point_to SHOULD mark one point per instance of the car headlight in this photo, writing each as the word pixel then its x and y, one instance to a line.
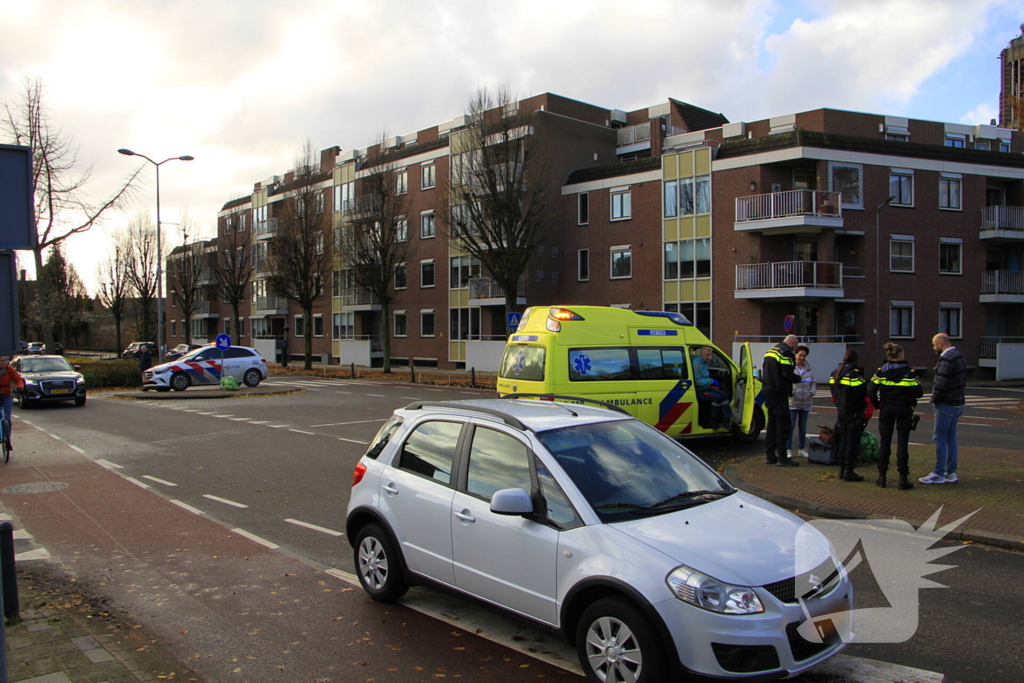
pixel 31 383
pixel 706 592
pixel 80 380
pixel 161 371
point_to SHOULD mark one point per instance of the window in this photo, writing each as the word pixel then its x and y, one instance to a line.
pixel 955 140
pixel 383 437
pixel 981 144
pixel 427 228
pixel 401 276
pixel 661 363
pixel 318 202
pixel 318 243
pixel 583 265
pixel 848 180
pixel 401 181
pixel 671 198
pixel 497 461
pixel 401 229
pixel 241 327
pixel 464 323
pixel 318 325
pixel 523 362
pixel 687 259
pixel 227 326
pixel 583 208
pixel 174 326
pixel 427 323
pixel 427 273
pixel 1004 146
pixel 950 321
pixel 703 187
pixel 540 276
pixel 901 254
pixel 901 319
pixel 400 324
pixel 344 195
pixel 950 256
pixel 430 450
pixel 949 191
pixel 428 176
pixel 600 365
pixel 344 325
pixel 621 262
pixel 686 203
pixel 901 187
pixel 671 260
pixel 621 204
pixel 300 326
pixel 462 270
pixel 698 313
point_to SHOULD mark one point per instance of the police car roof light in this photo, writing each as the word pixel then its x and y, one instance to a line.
pixel 677 318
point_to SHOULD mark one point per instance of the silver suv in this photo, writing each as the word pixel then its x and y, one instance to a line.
pixel 594 524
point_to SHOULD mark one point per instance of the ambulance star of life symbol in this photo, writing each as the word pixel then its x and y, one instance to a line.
pixel 520 363
pixel 582 363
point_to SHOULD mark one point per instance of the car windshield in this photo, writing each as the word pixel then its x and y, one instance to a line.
pixel 45 365
pixel 626 468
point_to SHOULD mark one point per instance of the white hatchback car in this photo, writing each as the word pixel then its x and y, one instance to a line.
pixel 592 523
pixel 207 365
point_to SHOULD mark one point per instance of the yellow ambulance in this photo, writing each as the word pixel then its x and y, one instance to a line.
pixel 641 361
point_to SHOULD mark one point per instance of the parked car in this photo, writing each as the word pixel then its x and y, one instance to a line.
pixel 596 524
pixel 135 348
pixel 180 350
pixel 206 365
pixel 49 378
pixel 35 348
pixel 58 348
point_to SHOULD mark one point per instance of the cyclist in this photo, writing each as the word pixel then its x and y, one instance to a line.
pixel 9 379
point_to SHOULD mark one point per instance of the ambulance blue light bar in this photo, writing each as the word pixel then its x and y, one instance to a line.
pixel 677 318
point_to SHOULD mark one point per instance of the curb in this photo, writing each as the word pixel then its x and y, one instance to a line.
pixel 202 394
pixel 992 538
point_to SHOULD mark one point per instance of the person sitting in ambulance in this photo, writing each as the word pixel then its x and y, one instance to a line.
pixel 710 390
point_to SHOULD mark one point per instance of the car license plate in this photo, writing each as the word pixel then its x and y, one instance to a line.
pixel 60 391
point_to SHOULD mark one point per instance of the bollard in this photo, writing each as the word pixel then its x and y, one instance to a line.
pixel 352 371
pixel 412 372
pixel 472 377
pixel 10 578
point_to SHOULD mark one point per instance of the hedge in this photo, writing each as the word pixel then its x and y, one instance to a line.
pixel 106 373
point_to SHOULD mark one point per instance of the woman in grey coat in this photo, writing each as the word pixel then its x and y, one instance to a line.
pixel 802 401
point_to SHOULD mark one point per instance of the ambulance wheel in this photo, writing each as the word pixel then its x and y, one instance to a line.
pixel 179 381
pixel 755 429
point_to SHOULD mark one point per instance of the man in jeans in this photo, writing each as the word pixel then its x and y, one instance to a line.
pixel 948 399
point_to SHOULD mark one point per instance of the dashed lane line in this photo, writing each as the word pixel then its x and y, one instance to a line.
pixel 254 537
pixel 314 527
pixel 239 419
pixel 376 395
pixel 299 431
pixel 109 465
pixel 138 483
pixel 159 481
pixel 76 449
pixel 353 422
pixel 258 422
pixel 223 416
pixel 365 443
pixel 276 426
pixel 186 506
pixel 225 501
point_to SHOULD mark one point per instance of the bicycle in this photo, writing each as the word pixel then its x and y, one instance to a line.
pixel 5 430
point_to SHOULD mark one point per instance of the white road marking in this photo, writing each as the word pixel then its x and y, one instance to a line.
pixel 21 535
pixel 343 392
pixel 471 393
pixel 365 443
pixel 299 431
pixel 223 416
pixel 258 422
pixel 239 419
pixel 159 481
pixel 276 426
pixel 213 413
pixel 137 482
pixel 76 448
pixel 225 501
pixel 186 506
pixel 36 554
pixel 54 436
pixel 437 390
pixel 376 395
pixel 344 576
pixel 314 527
pixel 109 465
pixel 410 398
pixel 21 419
pixel 254 537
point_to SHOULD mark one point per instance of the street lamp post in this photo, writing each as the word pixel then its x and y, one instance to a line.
pixel 159 250
pixel 878 268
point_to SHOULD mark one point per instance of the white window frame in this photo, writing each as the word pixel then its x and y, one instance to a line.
pixel 612 252
pixel 902 305
pixel 226 321
pixel 583 206
pixel 425 218
pixel 424 262
pixel 670 209
pixel 907 173
pixel 428 176
pixel 854 201
pixel 320 317
pixel 298 326
pixel 956 140
pixel 430 312
pixel 946 306
pixel 174 328
pixel 952 179
pixel 241 327
pixel 620 201
pixel 405 265
pixel 952 241
pixel 401 181
pixel 902 239
pixel 582 257
pixel 401 229
pixel 405 324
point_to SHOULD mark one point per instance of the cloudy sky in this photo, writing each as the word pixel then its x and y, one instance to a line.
pixel 241 85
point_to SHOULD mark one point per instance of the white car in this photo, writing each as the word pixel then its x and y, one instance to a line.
pixel 595 524
pixel 207 365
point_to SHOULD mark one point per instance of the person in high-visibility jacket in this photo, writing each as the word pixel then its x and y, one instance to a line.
pixel 849 391
pixel 895 389
pixel 778 375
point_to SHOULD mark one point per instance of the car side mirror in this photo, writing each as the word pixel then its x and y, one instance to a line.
pixel 77 367
pixel 512 502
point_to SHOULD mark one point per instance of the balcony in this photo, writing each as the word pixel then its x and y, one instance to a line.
pixel 206 309
pixel 484 291
pixel 358 299
pixel 788 212
pixel 271 305
pixel 1000 224
pixel 1002 287
pixel 1005 354
pixel 206 277
pixel 266 229
pixel 790 280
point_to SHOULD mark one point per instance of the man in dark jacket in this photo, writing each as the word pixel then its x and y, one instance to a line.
pixel 849 391
pixel 778 375
pixel 895 389
pixel 948 399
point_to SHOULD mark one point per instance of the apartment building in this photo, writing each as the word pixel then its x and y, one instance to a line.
pixel 845 227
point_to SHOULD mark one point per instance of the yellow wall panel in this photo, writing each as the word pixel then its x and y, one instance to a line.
pixel 702 161
pixel 685 164
pixel 671 291
pixel 703 227
pixel 686 290
pixel 453 296
pixel 670 166
pixel 671 229
pixel 703 290
pixel 686 228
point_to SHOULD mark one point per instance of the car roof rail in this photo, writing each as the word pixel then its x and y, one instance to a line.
pixel 504 417
pixel 572 399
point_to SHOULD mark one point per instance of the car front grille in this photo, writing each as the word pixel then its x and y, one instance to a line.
pixel 62 386
pixel 786 590
pixel 147 375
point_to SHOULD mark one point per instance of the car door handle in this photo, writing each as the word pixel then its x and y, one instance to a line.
pixel 465 516
pixel 390 488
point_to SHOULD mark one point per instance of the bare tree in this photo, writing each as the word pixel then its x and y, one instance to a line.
pixel 61 207
pixel 233 268
pixel 115 288
pixel 374 240
pixel 497 190
pixel 138 243
pixel 61 308
pixel 299 253
pixel 187 269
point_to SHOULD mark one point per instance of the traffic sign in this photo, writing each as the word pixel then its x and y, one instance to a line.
pixel 787 324
pixel 223 342
pixel 513 320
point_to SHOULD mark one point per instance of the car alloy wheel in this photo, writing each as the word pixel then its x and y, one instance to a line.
pixel 378 565
pixel 180 381
pixel 252 378
pixel 616 644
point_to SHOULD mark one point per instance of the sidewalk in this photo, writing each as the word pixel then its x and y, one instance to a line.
pixel 991 482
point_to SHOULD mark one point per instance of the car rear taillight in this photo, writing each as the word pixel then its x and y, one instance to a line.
pixel 357 474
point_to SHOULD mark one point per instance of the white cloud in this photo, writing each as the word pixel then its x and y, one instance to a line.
pixel 984 113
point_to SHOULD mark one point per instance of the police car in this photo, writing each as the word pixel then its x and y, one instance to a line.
pixel 207 365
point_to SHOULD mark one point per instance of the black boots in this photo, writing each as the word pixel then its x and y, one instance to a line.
pixel 904 485
pixel 846 473
pixel 880 482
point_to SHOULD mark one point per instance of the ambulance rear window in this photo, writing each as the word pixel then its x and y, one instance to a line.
pixel 524 363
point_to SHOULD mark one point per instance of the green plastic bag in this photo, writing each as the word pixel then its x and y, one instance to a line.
pixel 229 383
pixel 868 447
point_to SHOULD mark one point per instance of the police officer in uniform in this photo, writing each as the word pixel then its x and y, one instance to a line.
pixel 778 375
pixel 849 391
pixel 895 389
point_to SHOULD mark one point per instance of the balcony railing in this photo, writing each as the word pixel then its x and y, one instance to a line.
pixel 1003 218
pixel 267 227
pixel 205 307
pixel 207 277
pixel 487 288
pixel 990 344
pixel 789 204
pixel 1002 282
pixel 271 303
pixel 356 296
pixel 790 274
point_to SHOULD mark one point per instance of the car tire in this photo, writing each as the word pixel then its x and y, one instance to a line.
pixel 23 402
pixel 80 400
pixel 252 378
pixel 378 564
pixel 755 429
pixel 613 637
pixel 180 381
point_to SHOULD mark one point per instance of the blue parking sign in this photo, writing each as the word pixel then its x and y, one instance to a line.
pixel 223 342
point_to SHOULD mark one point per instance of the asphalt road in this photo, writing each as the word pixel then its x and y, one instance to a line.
pixel 279 467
